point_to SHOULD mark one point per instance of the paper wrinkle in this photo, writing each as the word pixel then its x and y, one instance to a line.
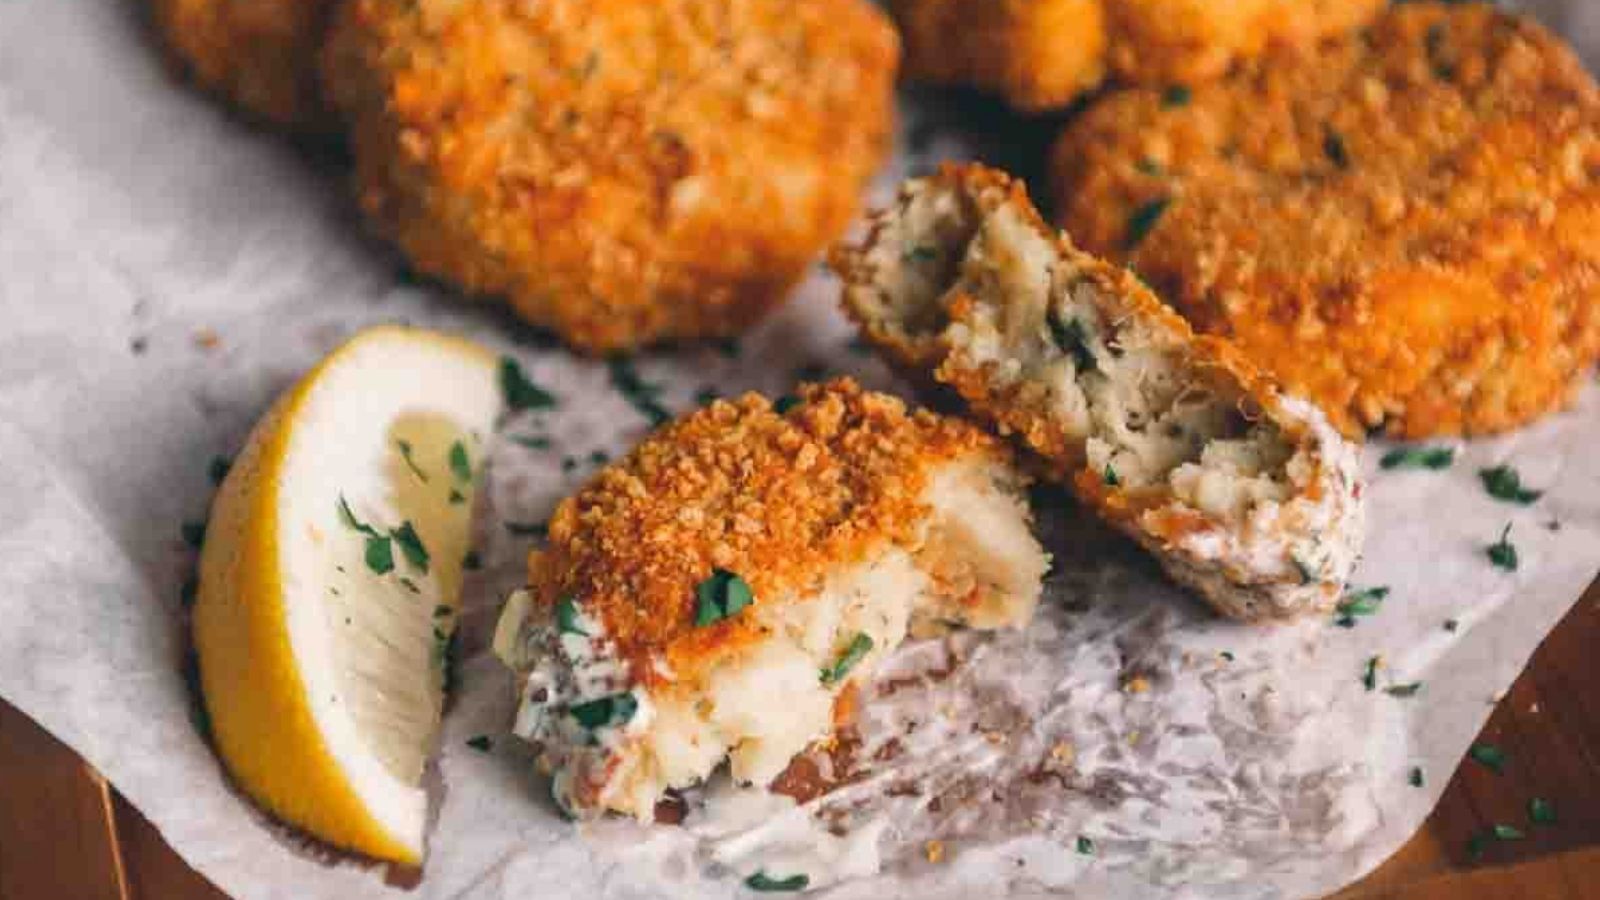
pixel 130 208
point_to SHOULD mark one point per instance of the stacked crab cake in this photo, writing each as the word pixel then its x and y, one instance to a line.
pixel 717 593
pixel 1247 496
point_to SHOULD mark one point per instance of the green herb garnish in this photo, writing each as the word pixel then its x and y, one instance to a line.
pixel 1176 95
pixel 616 709
pixel 1502 553
pixel 783 404
pixel 1111 478
pixel 1369 674
pixel 528 529
pixel 719 597
pixel 860 646
pixel 457 498
pixel 1307 575
pixel 532 442
pixel 765 883
pixel 1364 602
pixel 482 743
pixel 405 454
pixel 380 555
pixel 411 545
pixel 518 391
pixel 1073 339
pixel 350 520
pixel 1333 145
pixel 460 463
pixel 920 254
pixel 1149 167
pixel 1503 483
pixel 1403 690
pixel 642 395
pixel 1143 220
pixel 1489 756
pixel 1415 778
pixel 567 617
pixel 1541 812
pixel 1085 845
pixel 1418 458
pixel 1508 833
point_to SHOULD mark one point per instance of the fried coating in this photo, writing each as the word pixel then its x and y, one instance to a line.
pixel 622 171
pixel 1042 54
pixel 260 55
pixel 1249 498
pixel 840 521
pixel 1401 227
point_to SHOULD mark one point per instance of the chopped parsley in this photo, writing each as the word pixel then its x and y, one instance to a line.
pixel 405 453
pixel 783 404
pixel 616 709
pixel 599 457
pixel 349 519
pixel 1364 602
pixel 765 883
pixel 1435 458
pixel 380 555
pixel 1085 845
pixel 1333 145
pixel 1541 811
pixel 532 442
pixel 411 546
pixel 1073 339
pixel 642 395
pixel 567 617
pixel 706 396
pixel 920 253
pixel 1307 575
pixel 859 647
pixel 1489 756
pixel 1508 833
pixel 720 596
pixel 481 743
pixel 219 469
pixel 1369 673
pixel 460 462
pixel 1503 483
pixel 518 391
pixel 1176 95
pixel 1143 220
pixel 1111 478
pixel 1149 167
pixel 456 497
pixel 1503 553
pixel 528 529
pixel 1415 778
pixel 1403 690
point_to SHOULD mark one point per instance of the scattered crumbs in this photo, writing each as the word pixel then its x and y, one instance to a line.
pixel 1489 756
pixel 1138 684
pixel 1502 553
pixel 1177 95
pixel 1541 811
pixel 481 743
pixel 1085 845
pixel 527 529
pixel 520 393
pixel 1415 778
pixel 207 339
pixel 995 737
pixel 1504 483
pixel 218 470
pixel 1369 674
pixel 934 851
pixel 1452 625
pixel 1434 458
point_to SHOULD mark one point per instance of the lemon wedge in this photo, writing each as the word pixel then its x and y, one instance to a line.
pixel 329 583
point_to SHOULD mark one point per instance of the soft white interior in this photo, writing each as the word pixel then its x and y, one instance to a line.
pixel 978 565
pixel 365 644
pixel 1123 390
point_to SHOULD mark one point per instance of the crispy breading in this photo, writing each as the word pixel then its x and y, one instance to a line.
pixel 1401 226
pixel 1248 497
pixel 623 171
pixel 1042 54
pixel 260 55
pixel 780 499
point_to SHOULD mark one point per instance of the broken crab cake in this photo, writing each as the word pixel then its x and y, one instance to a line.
pixel 718 593
pixel 1248 497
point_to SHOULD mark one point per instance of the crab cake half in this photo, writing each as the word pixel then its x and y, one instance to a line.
pixel 622 171
pixel 260 55
pixel 1248 497
pixel 1041 54
pixel 1402 227
pixel 718 593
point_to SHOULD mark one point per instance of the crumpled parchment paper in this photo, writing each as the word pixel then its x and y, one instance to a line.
pixel 165 271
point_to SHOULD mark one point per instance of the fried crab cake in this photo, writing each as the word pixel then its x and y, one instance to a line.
pixel 1041 54
pixel 718 593
pixel 1401 227
pixel 1248 497
pixel 260 55
pixel 623 171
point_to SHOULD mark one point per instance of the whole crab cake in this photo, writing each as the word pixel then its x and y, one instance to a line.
pixel 718 593
pixel 1042 54
pixel 623 171
pixel 1248 497
pixel 1401 227
pixel 260 55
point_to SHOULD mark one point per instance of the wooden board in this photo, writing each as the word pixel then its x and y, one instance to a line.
pixel 64 834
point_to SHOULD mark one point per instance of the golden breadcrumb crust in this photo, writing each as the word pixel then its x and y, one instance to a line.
pixel 623 171
pixel 782 500
pixel 1401 226
pixel 260 55
pixel 1041 54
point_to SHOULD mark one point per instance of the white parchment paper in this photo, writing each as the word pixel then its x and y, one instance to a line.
pixel 165 271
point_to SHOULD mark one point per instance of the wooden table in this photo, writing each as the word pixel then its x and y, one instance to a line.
pixel 66 834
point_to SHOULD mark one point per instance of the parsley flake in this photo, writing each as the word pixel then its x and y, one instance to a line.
pixel 460 463
pixel 1085 845
pixel 1177 95
pixel 642 395
pixel 859 647
pixel 1364 602
pixel 456 497
pixel 783 404
pixel 920 254
pixel 1073 339
pixel 481 743
pixel 1434 458
pixel 1111 478
pixel 720 596
pixel 567 617
pixel 532 442
pixel 1503 483
pixel 380 555
pixel 1403 690
pixel 1489 756
pixel 1334 146
pixel 1369 674
pixel 518 391
pixel 411 546
pixel 350 520
pixel 405 453
pixel 1415 778
pixel 1143 220
pixel 616 709
pixel 765 883
pixel 1541 811
pixel 1508 833
pixel 1503 553
pixel 528 529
